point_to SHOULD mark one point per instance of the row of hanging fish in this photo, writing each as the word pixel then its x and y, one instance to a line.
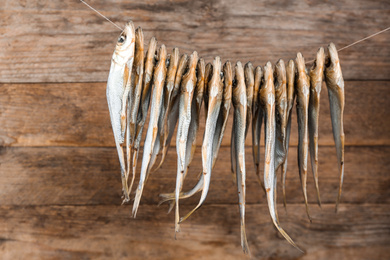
pixel 173 88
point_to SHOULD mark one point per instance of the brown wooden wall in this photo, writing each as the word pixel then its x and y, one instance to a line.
pixel 59 173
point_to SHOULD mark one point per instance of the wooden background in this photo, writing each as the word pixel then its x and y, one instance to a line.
pixel 59 173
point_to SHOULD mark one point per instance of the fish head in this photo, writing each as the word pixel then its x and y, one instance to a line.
pixel 239 90
pixel 332 57
pixel 280 73
pixel 124 50
pixel 228 81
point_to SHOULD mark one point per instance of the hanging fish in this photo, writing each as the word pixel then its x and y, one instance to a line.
pixel 168 99
pixel 280 78
pixel 185 109
pixel 335 84
pixel 214 104
pixel 117 89
pixel 173 109
pixel 134 99
pixel 151 135
pixel 316 77
pixel 303 95
pixel 239 119
pixel 218 135
pixel 290 73
pixel 256 123
pixel 267 101
pixel 150 62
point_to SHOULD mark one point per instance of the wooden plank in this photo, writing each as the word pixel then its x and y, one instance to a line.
pixel 101 232
pixel 76 114
pixel 91 176
pixel 73 44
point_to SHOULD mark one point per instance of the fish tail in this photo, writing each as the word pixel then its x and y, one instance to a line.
pixel 341 176
pixel 284 174
pixel 244 241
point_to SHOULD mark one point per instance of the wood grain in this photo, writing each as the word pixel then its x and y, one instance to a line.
pixel 64 41
pixel 91 176
pixel 108 232
pixel 76 114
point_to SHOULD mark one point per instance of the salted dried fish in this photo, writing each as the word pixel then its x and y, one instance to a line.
pixel 280 79
pixel 134 99
pixel 150 62
pixel 316 77
pixel 151 135
pixel 173 109
pixel 249 83
pixel 173 61
pixel 290 73
pixel 185 103
pixel 335 84
pixel 239 119
pixel 267 100
pixel 120 74
pixel 303 95
pixel 214 104
pixel 219 131
pixel 256 123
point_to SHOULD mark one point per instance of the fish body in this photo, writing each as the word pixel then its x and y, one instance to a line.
pixel 302 105
pixel 119 75
pixel 173 108
pixel 151 135
pixel 267 100
pixel 214 104
pixel 150 62
pixel 240 116
pixel 168 100
pixel 280 79
pixel 256 123
pixel 335 84
pixel 290 73
pixel 316 77
pixel 134 99
pixel 185 108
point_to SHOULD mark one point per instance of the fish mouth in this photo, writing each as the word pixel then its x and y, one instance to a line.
pixel 300 63
pixel 320 59
pixel 332 57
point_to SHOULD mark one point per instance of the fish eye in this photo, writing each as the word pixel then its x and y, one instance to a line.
pixel 121 39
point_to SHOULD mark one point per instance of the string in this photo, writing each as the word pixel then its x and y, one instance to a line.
pixel 93 9
pixel 343 48
pixel 359 41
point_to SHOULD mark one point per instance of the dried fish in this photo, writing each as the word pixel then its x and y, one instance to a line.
pixel 173 109
pixel 239 119
pixel 150 62
pixel 280 79
pixel 151 135
pixel 290 72
pixel 303 95
pixel 219 131
pixel 335 84
pixel 186 95
pixel 249 83
pixel 117 89
pixel 214 104
pixel 267 100
pixel 256 123
pixel 316 77
pixel 168 100
pixel 134 99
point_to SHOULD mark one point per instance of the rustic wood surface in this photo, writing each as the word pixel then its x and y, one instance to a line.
pixel 60 188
